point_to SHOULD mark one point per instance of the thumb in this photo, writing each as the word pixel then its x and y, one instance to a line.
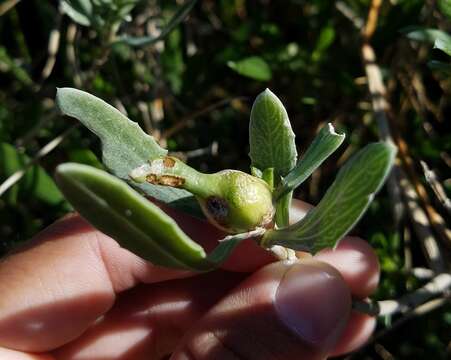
pixel 283 311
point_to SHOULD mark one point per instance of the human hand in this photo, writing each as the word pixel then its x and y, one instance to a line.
pixel 73 293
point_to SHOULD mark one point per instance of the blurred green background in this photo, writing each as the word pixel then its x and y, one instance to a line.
pixel 188 73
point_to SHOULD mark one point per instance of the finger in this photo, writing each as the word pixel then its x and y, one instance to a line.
pixel 148 321
pixel 208 237
pixel 61 282
pixel 283 311
pixel 359 266
pixel 357 263
pixel 357 332
pixel 353 257
pixel 7 354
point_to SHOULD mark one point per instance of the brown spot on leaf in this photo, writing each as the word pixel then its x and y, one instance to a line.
pixel 168 162
pixel 166 180
pixel 171 180
pixel 152 178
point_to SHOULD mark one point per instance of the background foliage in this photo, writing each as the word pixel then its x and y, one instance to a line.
pixel 190 81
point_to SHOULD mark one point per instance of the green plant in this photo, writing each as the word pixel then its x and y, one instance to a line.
pixel 244 205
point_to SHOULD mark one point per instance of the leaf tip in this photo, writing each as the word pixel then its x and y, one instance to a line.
pixel 62 95
pixel 231 64
pixel 332 131
pixel 67 169
pixel 390 148
pixel 267 93
pixel 268 97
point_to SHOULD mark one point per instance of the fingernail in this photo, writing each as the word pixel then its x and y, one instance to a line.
pixel 314 302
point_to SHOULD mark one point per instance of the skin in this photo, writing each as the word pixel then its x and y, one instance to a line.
pixel 73 293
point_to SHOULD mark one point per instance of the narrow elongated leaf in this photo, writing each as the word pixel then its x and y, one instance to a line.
pixel 445 7
pixel 35 184
pixel 124 145
pixel 253 67
pixel 423 34
pixel 80 11
pixel 439 65
pixel 7 64
pixel 324 144
pixel 444 45
pixel 325 40
pixel 283 206
pixel 271 138
pixel 272 145
pixel 178 17
pixel 135 223
pixel 342 205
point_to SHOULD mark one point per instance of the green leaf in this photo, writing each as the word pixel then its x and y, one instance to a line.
pixel 271 138
pixel 445 7
pixel 35 184
pixel 444 45
pixel 178 17
pixel 134 222
pixel 124 145
pixel 324 144
pixel 80 11
pixel 283 206
pixel 272 145
pixel 268 176
pixel 325 39
pixel 84 156
pixel 439 65
pixel 253 67
pixel 342 205
pixel 7 64
pixel 425 34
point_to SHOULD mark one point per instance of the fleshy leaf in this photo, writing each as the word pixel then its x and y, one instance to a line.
pixel 445 7
pixel 439 65
pixel 35 183
pixel 342 205
pixel 423 34
pixel 444 45
pixel 324 144
pixel 135 223
pixel 272 144
pixel 253 67
pixel 283 206
pixel 178 17
pixel 80 11
pixel 271 138
pixel 124 145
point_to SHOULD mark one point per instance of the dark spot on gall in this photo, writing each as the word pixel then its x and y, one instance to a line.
pixel 217 208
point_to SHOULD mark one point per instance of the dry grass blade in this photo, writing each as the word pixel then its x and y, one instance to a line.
pixel 422 226
pixel 436 186
pixel 52 48
pixel 7 5
pixel 420 310
pixel 398 182
pixel 371 22
pixel 438 286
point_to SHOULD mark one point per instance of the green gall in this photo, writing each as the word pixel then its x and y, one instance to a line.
pixel 240 203
pixel 231 200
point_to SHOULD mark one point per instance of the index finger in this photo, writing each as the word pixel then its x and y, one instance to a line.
pixel 62 281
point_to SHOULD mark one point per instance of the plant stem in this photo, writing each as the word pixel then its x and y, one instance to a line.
pixel 170 171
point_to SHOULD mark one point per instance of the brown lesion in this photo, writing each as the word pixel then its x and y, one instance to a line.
pixel 168 162
pixel 166 180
